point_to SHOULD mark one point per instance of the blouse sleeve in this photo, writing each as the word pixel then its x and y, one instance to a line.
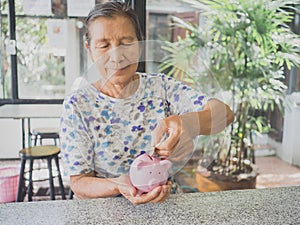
pixel 182 98
pixel 76 143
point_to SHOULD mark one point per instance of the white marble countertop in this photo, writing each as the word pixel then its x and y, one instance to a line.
pixel 257 206
pixel 19 111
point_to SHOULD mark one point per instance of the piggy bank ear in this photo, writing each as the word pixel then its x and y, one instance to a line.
pixel 139 165
pixel 165 163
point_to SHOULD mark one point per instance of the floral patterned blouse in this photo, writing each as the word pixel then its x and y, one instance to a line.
pixel 104 134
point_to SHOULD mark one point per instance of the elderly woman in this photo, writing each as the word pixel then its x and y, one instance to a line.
pixel 107 124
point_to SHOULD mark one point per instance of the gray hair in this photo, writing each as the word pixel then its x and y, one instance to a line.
pixel 111 9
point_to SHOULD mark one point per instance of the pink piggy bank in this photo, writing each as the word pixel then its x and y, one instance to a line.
pixel 148 172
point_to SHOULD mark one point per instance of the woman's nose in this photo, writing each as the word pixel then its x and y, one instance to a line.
pixel 117 55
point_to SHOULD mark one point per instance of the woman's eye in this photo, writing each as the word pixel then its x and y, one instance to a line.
pixel 101 46
pixel 128 44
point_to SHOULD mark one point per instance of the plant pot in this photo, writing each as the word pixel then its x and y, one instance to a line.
pixel 208 182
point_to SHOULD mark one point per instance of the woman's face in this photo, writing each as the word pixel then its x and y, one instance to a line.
pixel 114 48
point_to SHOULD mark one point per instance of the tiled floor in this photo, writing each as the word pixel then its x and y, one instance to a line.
pixel 276 173
pixel 273 172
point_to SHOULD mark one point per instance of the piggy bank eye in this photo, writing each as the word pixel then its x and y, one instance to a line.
pixel 158 172
pixel 150 172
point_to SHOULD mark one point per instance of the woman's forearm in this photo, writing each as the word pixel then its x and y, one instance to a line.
pixel 89 186
pixel 214 117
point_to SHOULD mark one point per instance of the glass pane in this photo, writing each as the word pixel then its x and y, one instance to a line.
pixel 5 78
pixel 160 29
pixel 41 68
pixel 49 47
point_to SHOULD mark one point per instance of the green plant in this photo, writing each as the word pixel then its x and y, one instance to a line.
pixel 244 46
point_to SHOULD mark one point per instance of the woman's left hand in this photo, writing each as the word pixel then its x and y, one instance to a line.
pixel 171 128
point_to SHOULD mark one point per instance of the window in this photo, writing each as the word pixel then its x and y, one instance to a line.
pixel 47 52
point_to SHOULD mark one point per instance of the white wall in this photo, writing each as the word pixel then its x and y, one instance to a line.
pixel 10 138
pixel 290 150
pixel 11 135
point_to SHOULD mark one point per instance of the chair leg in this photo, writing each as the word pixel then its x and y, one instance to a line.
pixel 30 184
pixel 61 185
pixel 35 140
pixel 21 185
pixel 52 195
pixel 55 142
pixel 71 193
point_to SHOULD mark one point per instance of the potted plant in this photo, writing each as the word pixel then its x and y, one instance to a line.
pixel 243 48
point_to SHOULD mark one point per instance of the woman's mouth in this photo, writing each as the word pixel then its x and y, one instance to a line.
pixel 118 70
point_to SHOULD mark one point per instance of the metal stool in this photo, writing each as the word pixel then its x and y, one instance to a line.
pixel 45 133
pixel 47 152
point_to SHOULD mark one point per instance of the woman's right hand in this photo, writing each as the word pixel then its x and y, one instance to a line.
pixel 158 194
pixel 124 186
